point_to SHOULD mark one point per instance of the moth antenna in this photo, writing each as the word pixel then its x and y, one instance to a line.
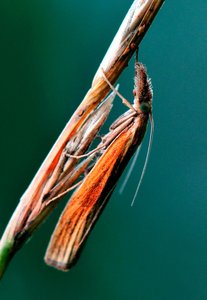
pixel 146 159
pixel 130 170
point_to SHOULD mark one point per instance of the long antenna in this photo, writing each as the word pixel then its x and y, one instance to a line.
pixel 130 170
pixel 146 159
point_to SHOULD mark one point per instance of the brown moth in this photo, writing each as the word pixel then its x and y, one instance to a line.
pixel 88 201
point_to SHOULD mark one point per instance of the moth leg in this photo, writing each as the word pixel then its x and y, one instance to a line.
pixel 87 154
pixel 124 100
pixel 64 193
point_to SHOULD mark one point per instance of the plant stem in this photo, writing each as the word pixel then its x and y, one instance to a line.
pixel 126 41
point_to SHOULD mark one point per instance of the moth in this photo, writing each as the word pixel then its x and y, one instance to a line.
pixel 88 201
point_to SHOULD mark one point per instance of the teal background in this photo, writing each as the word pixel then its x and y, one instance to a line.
pixel 156 250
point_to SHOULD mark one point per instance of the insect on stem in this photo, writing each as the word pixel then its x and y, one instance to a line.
pixel 88 201
pixel 60 171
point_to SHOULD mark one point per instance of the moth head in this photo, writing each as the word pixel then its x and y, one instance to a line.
pixel 143 90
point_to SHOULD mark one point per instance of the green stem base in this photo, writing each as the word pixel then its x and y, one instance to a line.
pixel 5 256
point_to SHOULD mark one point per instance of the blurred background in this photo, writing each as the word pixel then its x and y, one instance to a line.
pixel 156 250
